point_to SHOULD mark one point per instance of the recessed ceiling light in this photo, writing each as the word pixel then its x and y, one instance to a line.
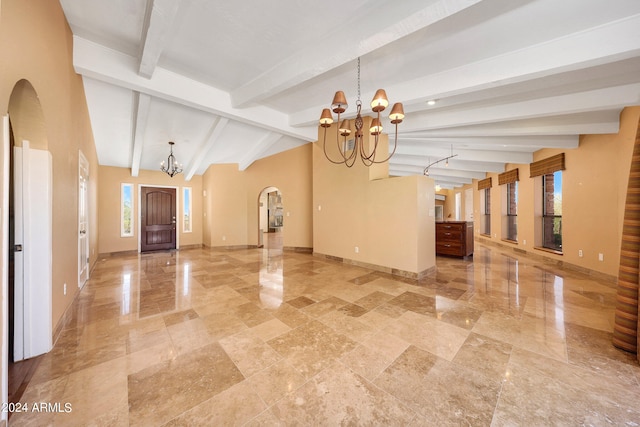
pixel 431 102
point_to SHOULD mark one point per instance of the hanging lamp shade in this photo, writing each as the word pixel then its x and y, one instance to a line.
pixel 325 118
pixel 397 113
pixel 376 127
pixel 339 104
pixel 344 128
pixel 379 101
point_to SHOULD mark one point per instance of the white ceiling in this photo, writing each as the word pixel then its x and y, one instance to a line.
pixel 232 82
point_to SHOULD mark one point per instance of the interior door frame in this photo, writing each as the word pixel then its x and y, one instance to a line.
pixel 178 213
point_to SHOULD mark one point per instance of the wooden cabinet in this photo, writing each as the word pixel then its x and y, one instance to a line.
pixel 454 238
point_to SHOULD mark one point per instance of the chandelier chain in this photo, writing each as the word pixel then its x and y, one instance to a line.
pixel 359 79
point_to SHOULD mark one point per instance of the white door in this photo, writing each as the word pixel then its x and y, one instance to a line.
pixel 32 261
pixel 468 204
pixel 5 150
pixel 83 221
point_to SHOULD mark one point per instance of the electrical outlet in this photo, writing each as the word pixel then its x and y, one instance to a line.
pixel 580 253
pixel 357 249
pixel 64 288
pixel 224 238
pixel 600 257
pixel 524 242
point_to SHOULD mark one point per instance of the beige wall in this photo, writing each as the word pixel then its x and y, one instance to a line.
pixel 231 204
pixel 110 184
pixel 36 45
pixel 225 206
pixel 390 220
pixel 593 191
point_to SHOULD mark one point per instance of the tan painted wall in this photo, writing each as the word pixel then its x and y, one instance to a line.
pixel 390 220
pixel 225 206
pixel 290 172
pixel 110 184
pixel 36 45
pixel 231 204
pixel 593 191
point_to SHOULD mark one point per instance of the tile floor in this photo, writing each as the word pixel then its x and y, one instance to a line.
pixel 258 337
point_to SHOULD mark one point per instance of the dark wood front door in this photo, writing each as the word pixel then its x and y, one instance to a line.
pixel 158 219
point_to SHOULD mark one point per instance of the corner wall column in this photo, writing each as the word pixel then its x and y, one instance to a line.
pixel 625 329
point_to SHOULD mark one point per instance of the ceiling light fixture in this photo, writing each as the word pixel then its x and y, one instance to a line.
pixel 347 151
pixel 444 159
pixel 172 167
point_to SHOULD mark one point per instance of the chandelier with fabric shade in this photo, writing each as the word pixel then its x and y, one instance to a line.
pixel 349 153
pixel 171 167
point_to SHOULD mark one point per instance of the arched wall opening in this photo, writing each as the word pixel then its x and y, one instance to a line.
pixel 29 249
pixel 270 218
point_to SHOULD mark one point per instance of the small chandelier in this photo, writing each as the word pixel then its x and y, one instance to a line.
pixel 347 152
pixel 172 167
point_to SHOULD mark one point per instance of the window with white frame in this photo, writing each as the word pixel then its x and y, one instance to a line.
pixel 187 217
pixel 126 210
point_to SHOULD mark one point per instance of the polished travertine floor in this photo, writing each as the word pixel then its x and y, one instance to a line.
pixel 258 337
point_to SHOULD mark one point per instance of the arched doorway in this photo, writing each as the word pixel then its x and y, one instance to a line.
pixel 29 205
pixel 270 238
pixel 270 219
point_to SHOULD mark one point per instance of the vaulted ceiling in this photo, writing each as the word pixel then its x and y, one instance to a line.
pixel 235 81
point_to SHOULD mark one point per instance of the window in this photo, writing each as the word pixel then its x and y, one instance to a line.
pixel 548 201
pixel 511 218
pixel 485 201
pixel 484 186
pixel 552 211
pixel 186 210
pixel 508 182
pixel 126 210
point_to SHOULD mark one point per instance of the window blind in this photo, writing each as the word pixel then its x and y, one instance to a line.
pixel 509 177
pixel 547 166
pixel 484 183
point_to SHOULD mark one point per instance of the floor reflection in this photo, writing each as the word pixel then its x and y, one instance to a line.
pixel 271 280
pixel 262 336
